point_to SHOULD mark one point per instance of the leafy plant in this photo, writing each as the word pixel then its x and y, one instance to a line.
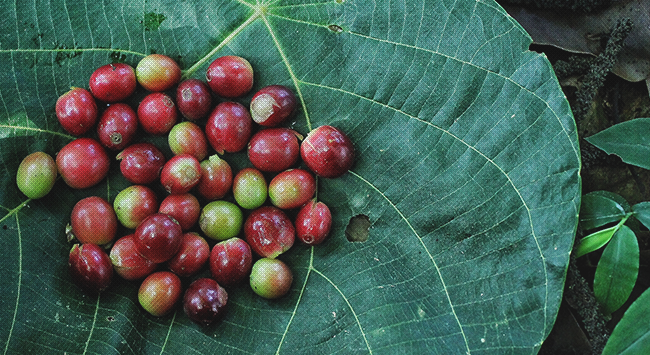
pixel 467 178
pixel 618 266
pixel 631 335
pixel 629 140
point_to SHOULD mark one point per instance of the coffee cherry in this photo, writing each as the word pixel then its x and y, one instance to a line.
pixel 313 222
pixel 159 293
pixel 76 111
pixel 133 204
pixel 90 267
pixel 157 72
pixel 82 163
pixel 113 82
pixel 272 105
pixel 271 278
pixel 328 152
pixel 36 175
pixel 158 238
pixel 205 301
pixel 93 221
pixel 269 231
pixel 141 163
pixel 230 76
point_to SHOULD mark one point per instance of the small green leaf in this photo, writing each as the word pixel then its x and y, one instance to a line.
pixel 632 336
pixel 642 213
pixel 601 207
pixel 595 241
pixel 617 270
pixel 629 140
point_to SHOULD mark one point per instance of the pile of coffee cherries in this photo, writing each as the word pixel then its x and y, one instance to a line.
pixel 233 223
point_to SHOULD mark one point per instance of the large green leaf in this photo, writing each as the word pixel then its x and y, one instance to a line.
pixel 467 171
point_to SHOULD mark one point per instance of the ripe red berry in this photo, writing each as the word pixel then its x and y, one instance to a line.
pixel 274 149
pixel 216 178
pixel 90 267
pixel 180 174
pixel 82 163
pixel 158 238
pixel 205 301
pixel 113 82
pixel 191 257
pixel 229 127
pixel 230 76
pixel 230 261
pixel 313 222
pixel 76 110
pixel 193 98
pixel 141 163
pixel 157 113
pixel 117 126
pixel 328 152
pixel 127 262
pixel 269 231
pixel 184 208
pixel 93 221
pixel 272 105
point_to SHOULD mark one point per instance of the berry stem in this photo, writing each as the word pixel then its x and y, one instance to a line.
pixel 188 73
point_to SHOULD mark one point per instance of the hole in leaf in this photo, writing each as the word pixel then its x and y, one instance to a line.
pixel 152 21
pixel 110 318
pixel 358 228
pixel 4 227
pixel 335 28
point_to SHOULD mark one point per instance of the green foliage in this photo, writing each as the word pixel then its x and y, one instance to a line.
pixel 599 208
pixel 617 270
pixel 631 336
pixel 630 140
pixel 618 266
pixel 467 172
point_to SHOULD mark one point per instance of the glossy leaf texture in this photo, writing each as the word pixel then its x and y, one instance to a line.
pixel 467 170
pixel 641 212
pixel 599 208
pixel 617 270
pixel 629 140
pixel 631 335
pixel 595 240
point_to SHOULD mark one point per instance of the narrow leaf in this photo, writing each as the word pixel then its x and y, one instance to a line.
pixel 617 270
pixel 602 207
pixel 642 213
pixel 629 140
pixel 631 336
pixel 595 241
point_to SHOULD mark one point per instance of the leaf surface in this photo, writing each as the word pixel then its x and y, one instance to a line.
pixel 467 171
pixel 617 270
pixel 629 140
pixel 630 336
pixel 598 208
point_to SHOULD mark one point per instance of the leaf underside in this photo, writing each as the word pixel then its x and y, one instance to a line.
pixel 467 169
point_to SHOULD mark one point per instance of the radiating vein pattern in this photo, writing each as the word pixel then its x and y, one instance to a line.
pixel 467 168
